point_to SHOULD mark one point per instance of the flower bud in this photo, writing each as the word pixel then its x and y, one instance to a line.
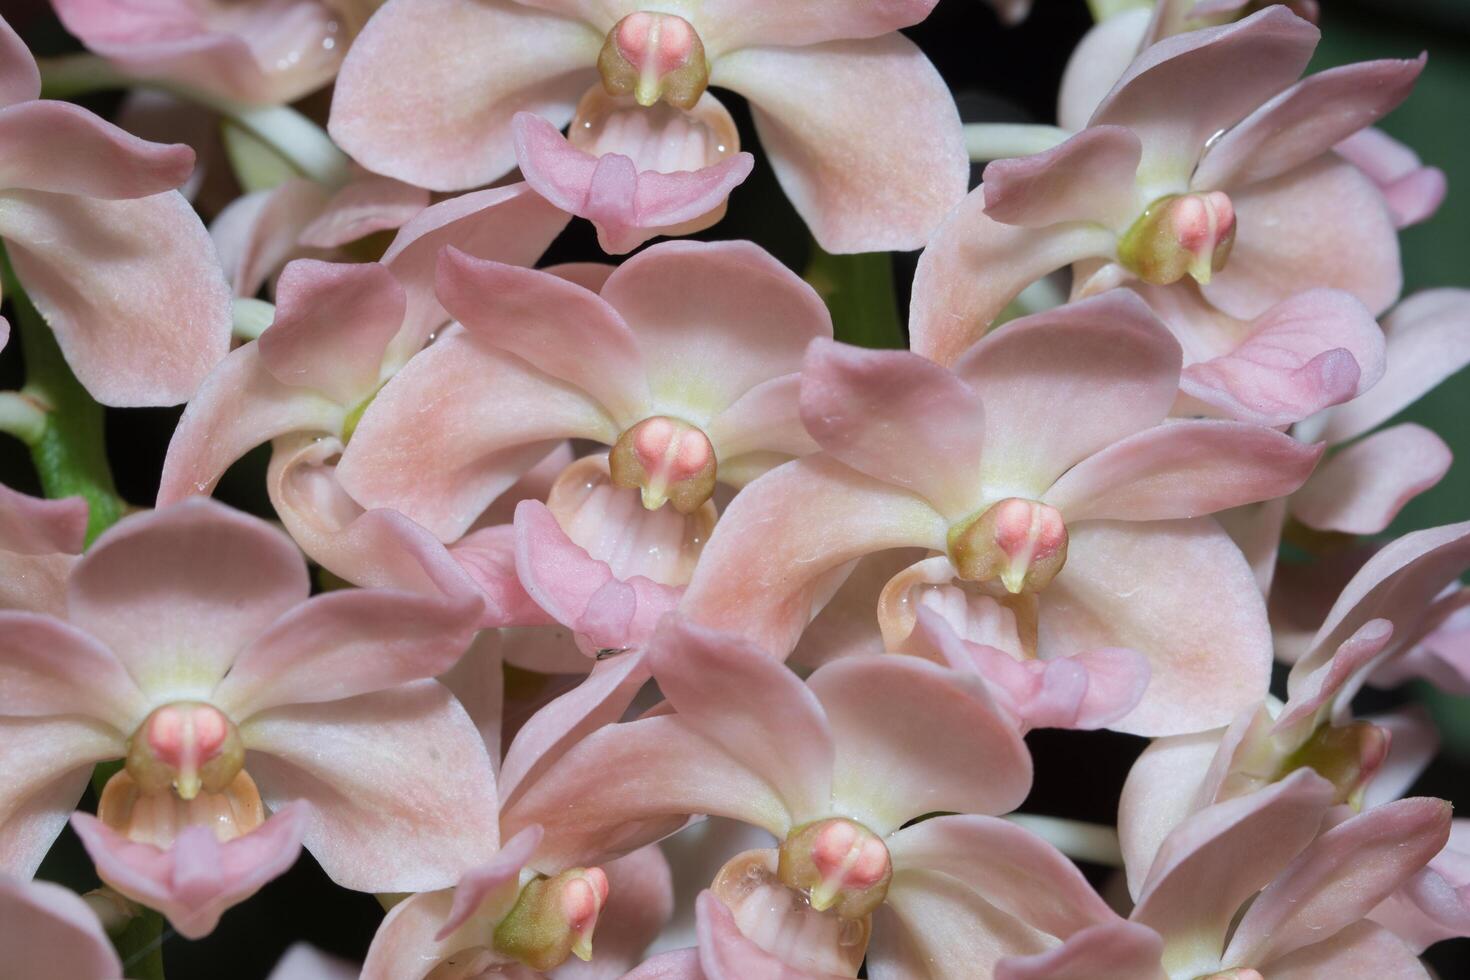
pixel 553 919
pixel 654 56
pixel 838 864
pixel 1180 235
pixel 668 460
pixel 1021 542
pixel 188 746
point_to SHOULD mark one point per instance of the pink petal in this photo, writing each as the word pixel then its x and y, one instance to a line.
pixel 557 327
pixel 1209 651
pixel 48 930
pixel 132 289
pixel 333 323
pixel 1340 878
pixel 478 883
pixel 1320 224
pixel 197 878
pixel 1306 121
pixel 1414 192
pixel 1017 871
pixel 1218 858
pixel 48 764
pixel 726 954
pixel 511 224
pixel 913 737
pixel 1180 92
pixel 1428 340
pixel 839 120
pixel 176 593
pixel 1162 790
pixel 1413 744
pixel 1310 691
pixel 476 64
pixel 257 233
pixel 580 591
pixel 726 25
pixel 455 428
pixel 736 318
pixel 20 80
pixel 1111 951
pixel 239 406
pixel 370 766
pixel 64 149
pixel 628 205
pixel 974 266
pixel 752 706
pixel 1361 489
pixel 1183 469
pixel 1090 177
pixel 1362 951
pixel 1061 385
pixel 1096 64
pixel 848 625
pixel 489 558
pixel 899 418
pixel 50 668
pixel 366 205
pixel 404 947
pixel 551 732
pixel 37 526
pixel 784 560
pixel 764 427
pixel 951 928
pixel 477 682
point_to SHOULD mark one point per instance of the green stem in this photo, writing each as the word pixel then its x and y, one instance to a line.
pixel 858 290
pixel 69 453
pixel 1001 141
pixel 139 945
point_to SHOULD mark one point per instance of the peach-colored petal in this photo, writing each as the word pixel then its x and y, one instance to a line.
pixel 761 430
pixel 863 135
pixel 444 122
pixel 1362 951
pixel 952 928
pixel 62 148
pixel 367 204
pixel 1361 489
pixel 1111 951
pixel 1160 792
pixel 1090 177
pixel 48 763
pixel 20 80
pixel 257 233
pixel 48 930
pixel 50 668
pixel 1096 64
pixel 37 526
pixel 1414 192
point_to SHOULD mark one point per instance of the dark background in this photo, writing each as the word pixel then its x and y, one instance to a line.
pixel 997 74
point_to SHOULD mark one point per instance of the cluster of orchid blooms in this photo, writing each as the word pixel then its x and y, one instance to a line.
pixel 789 603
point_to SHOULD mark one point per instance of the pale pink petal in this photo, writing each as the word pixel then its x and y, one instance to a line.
pixel 177 593
pixel 581 592
pixel 1183 469
pixel 839 121
pixel 1061 385
pixel 974 266
pixel 557 327
pixel 37 526
pixel 302 961
pixel 1209 650
pixel 488 556
pixel 1309 691
pixel 49 668
pixel 132 289
pixel 48 930
pixel 197 878
pixel 640 902
pixel 1090 177
pixel 1218 858
pixel 1435 903
pixel 1096 64
pixel 1174 95
pixel 477 884
pixel 257 233
pixel 1362 951
pixel 20 80
pixel 729 24
pixel 752 706
pixel 367 204
pixel 767 567
pixel 64 149
pixel 239 406
pixel 1160 792
pixel 714 320
pixel 48 763
pixel 1414 192
pixel 368 767
pixel 913 737
pixel 456 427
pixel 1361 489
pixel 725 953
pixel 588 275
pixel 404 947
pixel 511 224
pixel 628 205
pixel 1014 869
pixel 899 418
pixel 332 325
pixel 1340 878
pixel 34 583
pixel 848 626
pixel 1413 744
pixel 1306 121
pixel 760 430
pixel 1320 224
pixel 1428 339
pixel 952 928
pixel 1111 951
pixel 444 122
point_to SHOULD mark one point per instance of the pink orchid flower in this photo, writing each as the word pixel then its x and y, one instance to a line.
pixel 258 51
pixel 39 543
pixel 844 104
pixel 684 362
pixel 1211 187
pixel 48 931
pixel 834 769
pixel 191 651
pixel 340 332
pixel 116 261
pixel 1306 894
pixel 1043 471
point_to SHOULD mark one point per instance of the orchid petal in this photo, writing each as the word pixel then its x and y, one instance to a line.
pixel 62 148
pixel 1161 791
pixel 765 420
pixel 366 205
pixel 1362 951
pixel 1110 951
pixel 38 526
pixel 20 79
pixel 49 668
pixel 1087 178
pixel 1361 489
pixel 48 763
pixel 46 929
pixel 1096 64
pixel 1414 192
pixel 479 883
pixel 257 233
